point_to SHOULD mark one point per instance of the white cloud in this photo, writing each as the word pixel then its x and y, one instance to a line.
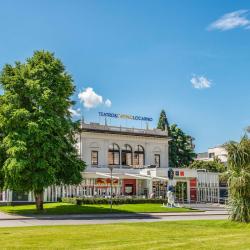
pixel 200 82
pixel 91 99
pixel 231 20
pixel 75 112
pixel 108 103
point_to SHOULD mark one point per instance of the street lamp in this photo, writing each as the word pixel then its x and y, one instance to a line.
pixel 111 167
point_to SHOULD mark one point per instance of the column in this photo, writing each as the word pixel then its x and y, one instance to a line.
pixel 45 194
pixel 188 191
pixel 9 195
pixel 149 187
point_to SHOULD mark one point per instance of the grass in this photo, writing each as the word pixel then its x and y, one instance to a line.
pixel 158 235
pixel 66 208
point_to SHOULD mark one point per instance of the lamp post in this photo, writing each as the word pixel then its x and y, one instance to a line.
pixel 111 167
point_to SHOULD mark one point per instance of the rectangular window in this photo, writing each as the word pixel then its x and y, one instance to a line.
pixel 211 155
pixel 94 157
pixel 157 160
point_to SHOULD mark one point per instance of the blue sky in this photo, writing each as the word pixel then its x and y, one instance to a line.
pixel 142 56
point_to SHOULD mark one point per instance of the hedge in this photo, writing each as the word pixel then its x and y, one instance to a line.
pixel 117 201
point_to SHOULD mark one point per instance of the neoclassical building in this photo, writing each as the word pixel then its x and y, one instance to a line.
pixel 129 152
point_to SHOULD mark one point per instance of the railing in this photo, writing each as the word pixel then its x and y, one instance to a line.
pixel 97 126
pixel 124 166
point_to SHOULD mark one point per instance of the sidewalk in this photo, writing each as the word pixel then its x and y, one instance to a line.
pixel 4 216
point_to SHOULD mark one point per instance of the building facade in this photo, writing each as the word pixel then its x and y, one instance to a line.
pixel 128 152
pixel 212 153
pixel 134 161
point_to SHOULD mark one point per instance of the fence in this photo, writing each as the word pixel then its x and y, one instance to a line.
pixel 201 195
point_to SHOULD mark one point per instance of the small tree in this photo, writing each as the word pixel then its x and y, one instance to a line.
pixel 239 179
pixel 37 133
pixel 212 166
pixel 163 121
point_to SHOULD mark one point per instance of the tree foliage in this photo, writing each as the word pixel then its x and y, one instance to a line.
pixel 213 166
pixel 37 133
pixel 239 179
pixel 181 151
pixel 163 122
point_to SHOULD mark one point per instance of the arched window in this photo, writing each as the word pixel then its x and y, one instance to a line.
pixel 139 156
pixel 127 155
pixel 114 154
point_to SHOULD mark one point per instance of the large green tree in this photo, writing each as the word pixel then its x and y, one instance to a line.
pixel 181 150
pixel 37 133
pixel 239 179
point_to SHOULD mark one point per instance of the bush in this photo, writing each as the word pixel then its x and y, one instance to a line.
pixel 69 200
pixel 116 201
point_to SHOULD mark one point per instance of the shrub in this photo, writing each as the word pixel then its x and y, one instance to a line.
pixel 115 201
pixel 69 200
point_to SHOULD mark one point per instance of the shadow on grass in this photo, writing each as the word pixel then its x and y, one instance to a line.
pixel 73 209
pixel 75 212
pixel 65 211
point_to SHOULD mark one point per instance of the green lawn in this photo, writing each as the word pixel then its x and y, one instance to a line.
pixel 158 235
pixel 66 208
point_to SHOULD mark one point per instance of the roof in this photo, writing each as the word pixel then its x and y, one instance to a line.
pixel 98 128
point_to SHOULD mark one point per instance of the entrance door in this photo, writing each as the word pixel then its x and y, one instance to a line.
pixel 129 187
pixel 159 188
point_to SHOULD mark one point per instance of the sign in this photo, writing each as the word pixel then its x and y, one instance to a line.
pixel 127 117
pixel 193 182
pixel 179 173
pixel 106 182
pixel 193 191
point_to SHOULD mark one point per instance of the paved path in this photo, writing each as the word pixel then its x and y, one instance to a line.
pixel 14 221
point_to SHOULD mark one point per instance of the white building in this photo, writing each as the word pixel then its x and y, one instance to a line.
pixel 215 152
pixel 138 159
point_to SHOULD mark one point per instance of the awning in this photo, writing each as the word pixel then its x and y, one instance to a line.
pixel 155 177
pixel 107 175
pixel 123 176
pixel 139 176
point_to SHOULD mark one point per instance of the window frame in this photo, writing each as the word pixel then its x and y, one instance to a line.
pixel 97 157
pixel 115 149
pixel 127 150
pixel 159 164
pixel 137 153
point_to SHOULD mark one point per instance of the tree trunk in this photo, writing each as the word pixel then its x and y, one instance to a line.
pixel 39 200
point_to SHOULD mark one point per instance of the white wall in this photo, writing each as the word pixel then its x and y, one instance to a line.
pixel 219 152
pixel 101 141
